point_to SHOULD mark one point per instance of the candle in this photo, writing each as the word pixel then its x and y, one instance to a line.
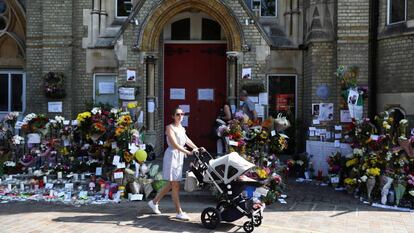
pixel 59 175
pixel 21 186
pixel 75 176
pixel 51 193
pixel 82 176
pixel 9 187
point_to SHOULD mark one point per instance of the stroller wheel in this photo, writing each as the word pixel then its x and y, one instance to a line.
pixel 248 227
pixel 210 218
pixel 257 219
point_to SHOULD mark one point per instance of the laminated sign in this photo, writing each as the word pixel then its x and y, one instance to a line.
pixel 127 93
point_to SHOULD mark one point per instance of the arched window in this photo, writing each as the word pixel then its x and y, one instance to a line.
pixel 211 30
pixel 180 30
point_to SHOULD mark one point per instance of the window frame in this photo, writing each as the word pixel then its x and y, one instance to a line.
pixel 116 10
pixel 389 12
pixel 260 10
pixel 116 85
pixel 9 94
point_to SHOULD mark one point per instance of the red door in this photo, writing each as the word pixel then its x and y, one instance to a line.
pixel 195 76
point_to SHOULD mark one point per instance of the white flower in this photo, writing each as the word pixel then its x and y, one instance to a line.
pixel 9 164
pixel 364 178
pixel 358 152
pixel 17 140
pixel 28 118
pixel 114 111
pixel 96 110
pixel 403 121
pixel 389 156
pixel 59 119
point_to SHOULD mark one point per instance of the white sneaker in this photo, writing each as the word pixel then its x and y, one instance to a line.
pixel 154 207
pixel 182 216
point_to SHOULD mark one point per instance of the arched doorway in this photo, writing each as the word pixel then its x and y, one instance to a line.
pixel 195 73
pixel 148 43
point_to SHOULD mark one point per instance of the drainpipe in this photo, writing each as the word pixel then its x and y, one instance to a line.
pixel 372 58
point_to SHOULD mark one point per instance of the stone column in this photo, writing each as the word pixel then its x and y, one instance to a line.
pixel 150 62
pixel 232 64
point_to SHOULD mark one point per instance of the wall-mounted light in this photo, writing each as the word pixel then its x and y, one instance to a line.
pixel 248 21
pixel 135 21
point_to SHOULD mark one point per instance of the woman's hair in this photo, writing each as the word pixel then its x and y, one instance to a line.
pixel 174 111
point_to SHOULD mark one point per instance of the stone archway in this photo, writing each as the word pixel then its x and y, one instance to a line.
pixel 149 37
pixel 150 32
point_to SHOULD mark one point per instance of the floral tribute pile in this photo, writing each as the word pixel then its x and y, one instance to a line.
pixel 381 167
pixel 102 151
pixel 261 144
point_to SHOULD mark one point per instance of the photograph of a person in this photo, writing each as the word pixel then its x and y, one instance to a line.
pixel 315 110
pixel 247 73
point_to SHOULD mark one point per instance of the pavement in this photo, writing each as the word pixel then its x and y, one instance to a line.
pixel 309 208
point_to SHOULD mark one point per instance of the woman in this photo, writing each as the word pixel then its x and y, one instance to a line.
pixel 173 163
pixel 224 116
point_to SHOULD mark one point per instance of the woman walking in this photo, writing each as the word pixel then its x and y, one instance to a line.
pixel 173 163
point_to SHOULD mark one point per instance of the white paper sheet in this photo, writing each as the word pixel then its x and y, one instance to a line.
pixel 177 94
pixel 118 175
pixel 263 98
pixel 247 73
pixel 54 106
pixel 338 136
pixel 106 88
pixel 259 109
pixel 116 160
pixel 98 171
pixel 151 106
pixel 127 93
pixel 185 108
pixel 206 94
pixel 337 144
pixel 131 75
pixel 338 127
pixel 326 112
pixel 345 116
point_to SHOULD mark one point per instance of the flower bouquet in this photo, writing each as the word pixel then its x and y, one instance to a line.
pixel 33 123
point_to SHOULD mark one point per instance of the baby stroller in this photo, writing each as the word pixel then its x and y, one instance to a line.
pixel 234 202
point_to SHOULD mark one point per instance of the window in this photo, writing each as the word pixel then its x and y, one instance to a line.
pixel 12 91
pixel 123 8
pixel 210 30
pixel 106 90
pixel 180 30
pixel 266 8
pixel 397 11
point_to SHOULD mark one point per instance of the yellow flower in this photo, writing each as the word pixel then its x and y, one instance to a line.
pixel 351 162
pixel 261 173
pixel 82 116
pixel 131 105
pixel 350 181
pixel 374 171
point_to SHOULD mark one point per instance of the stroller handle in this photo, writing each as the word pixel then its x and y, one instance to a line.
pixel 201 152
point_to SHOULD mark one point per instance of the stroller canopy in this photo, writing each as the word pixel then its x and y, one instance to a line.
pixel 230 166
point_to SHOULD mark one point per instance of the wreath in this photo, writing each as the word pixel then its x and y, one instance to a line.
pixel 54 85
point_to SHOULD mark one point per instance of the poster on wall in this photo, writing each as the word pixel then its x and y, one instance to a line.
pixel 326 112
pixel 247 73
pixel 263 98
pixel 284 101
pixel 127 93
pixel 355 110
pixel 177 94
pixel 206 94
pixel 131 75
pixel 54 106
pixel 106 88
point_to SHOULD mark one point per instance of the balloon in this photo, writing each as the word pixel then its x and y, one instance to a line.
pixel 140 155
